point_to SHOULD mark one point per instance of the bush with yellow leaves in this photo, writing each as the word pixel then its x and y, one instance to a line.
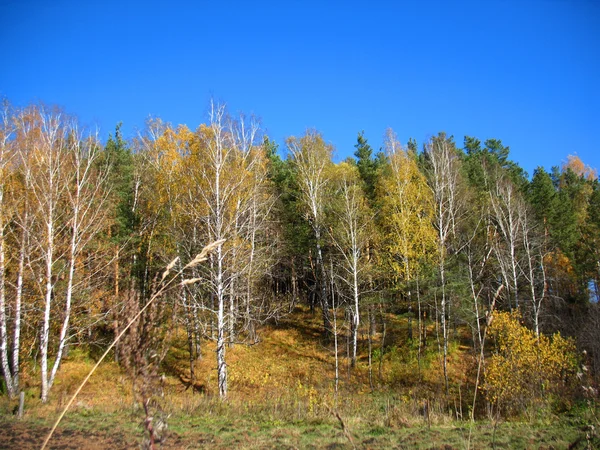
pixel 525 371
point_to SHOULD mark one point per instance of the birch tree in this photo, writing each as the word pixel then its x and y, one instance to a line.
pixel 535 266
pixel 87 193
pixel 312 159
pixel 444 182
pixel 350 235
pixel 478 251
pixel 506 207
pixel 7 153
pixel 67 192
pixel 210 184
pixel 262 240
pixel 48 186
pixel 223 162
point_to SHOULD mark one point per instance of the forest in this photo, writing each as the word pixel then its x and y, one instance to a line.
pixel 260 293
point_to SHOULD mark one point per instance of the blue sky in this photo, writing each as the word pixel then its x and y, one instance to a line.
pixel 525 72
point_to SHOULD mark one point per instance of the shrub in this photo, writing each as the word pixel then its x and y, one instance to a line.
pixel 525 370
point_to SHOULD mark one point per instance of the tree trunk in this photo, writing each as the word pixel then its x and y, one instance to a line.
pixel 12 390
pixel 382 347
pixel 69 295
pixel 47 305
pixel 323 284
pixel 371 331
pixel 356 316
pixel 18 303
pixel 231 318
pixel 335 334
pixel 444 327
pixel 221 364
pixel 420 323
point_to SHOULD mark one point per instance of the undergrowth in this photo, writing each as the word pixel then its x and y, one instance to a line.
pixel 282 395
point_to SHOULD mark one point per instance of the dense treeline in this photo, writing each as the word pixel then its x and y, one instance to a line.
pixel 445 235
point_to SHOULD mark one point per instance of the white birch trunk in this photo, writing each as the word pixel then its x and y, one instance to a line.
pixel 18 302
pixel 220 288
pixel 350 237
pixel 444 325
pixel 6 130
pixel 45 334
pixel 221 364
pixel 3 316
pixel 532 275
pixel 356 317
pixel 224 171
pixel 250 269
pixel 62 340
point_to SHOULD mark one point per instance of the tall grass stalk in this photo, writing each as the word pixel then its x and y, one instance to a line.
pixel 201 257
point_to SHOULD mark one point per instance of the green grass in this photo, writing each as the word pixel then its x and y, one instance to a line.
pixel 230 430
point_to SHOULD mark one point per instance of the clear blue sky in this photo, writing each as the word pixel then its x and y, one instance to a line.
pixel 526 72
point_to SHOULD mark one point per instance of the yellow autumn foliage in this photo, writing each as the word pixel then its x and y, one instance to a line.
pixel 407 210
pixel 525 370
